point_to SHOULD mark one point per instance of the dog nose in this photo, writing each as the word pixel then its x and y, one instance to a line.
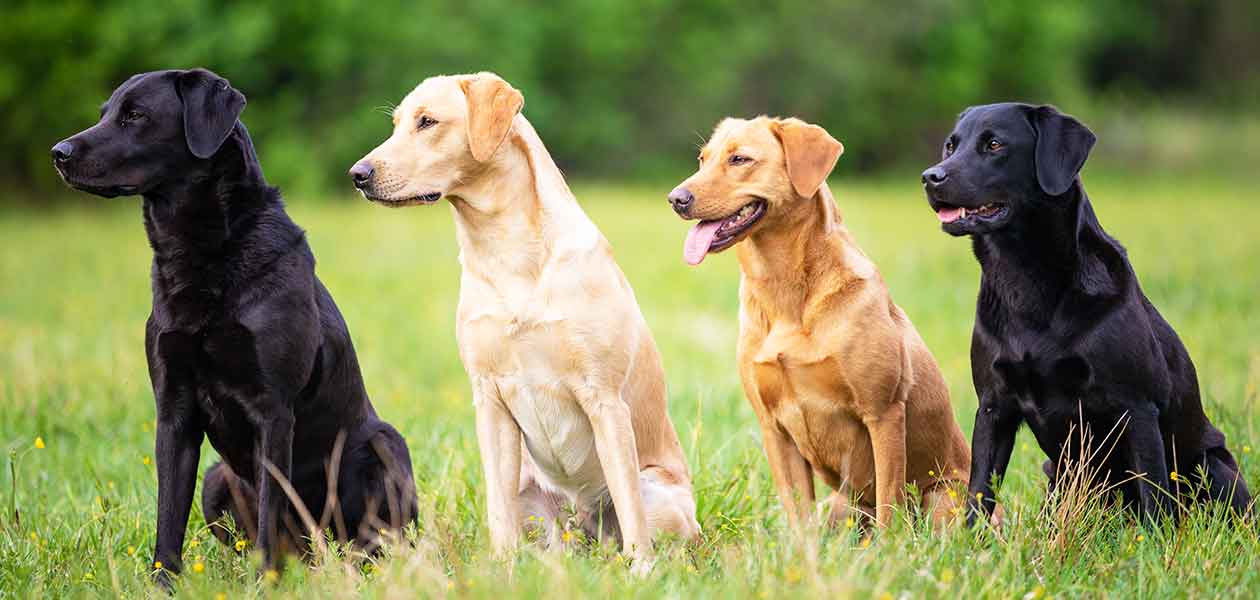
pixel 62 151
pixel 681 199
pixel 361 173
pixel 934 176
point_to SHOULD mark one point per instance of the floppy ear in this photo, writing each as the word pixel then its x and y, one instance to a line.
pixel 1063 144
pixel 811 154
pixel 492 104
pixel 211 107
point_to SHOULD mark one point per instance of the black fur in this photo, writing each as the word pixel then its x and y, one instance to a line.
pixel 245 346
pixel 1062 328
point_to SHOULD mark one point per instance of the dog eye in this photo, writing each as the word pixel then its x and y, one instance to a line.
pixel 426 122
pixel 994 145
pixel 737 159
pixel 949 147
pixel 133 116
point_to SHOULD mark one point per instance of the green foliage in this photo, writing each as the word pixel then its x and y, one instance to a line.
pixel 615 87
pixel 72 372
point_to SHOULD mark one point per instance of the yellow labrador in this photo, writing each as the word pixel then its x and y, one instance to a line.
pixel 841 382
pixel 560 359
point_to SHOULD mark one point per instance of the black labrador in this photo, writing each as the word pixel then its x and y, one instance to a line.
pixel 1063 331
pixel 245 345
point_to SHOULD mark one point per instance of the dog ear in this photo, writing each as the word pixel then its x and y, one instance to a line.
pixel 492 104
pixel 810 151
pixel 211 107
pixel 1063 144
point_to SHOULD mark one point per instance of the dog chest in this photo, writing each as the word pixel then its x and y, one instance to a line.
pixel 557 432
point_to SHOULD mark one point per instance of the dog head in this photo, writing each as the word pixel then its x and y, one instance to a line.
pixel 155 128
pixel 445 131
pixel 1000 159
pixel 754 175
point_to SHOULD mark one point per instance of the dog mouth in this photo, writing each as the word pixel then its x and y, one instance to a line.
pixel 106 191
pixel 950 214
pixel 716 235
pixel 421 200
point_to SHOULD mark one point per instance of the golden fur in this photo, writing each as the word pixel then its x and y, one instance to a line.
pixel 842 384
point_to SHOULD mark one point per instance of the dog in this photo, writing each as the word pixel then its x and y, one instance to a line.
pixel 566 380
pixel 245 345
pixel 840 381
pixel 1064 338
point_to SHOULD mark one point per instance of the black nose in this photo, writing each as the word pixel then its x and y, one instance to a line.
pixel 681 199
pixel 361 173
pixel 62 151
pixel 934 176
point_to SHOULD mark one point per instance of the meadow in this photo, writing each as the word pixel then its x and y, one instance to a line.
pixel 78 488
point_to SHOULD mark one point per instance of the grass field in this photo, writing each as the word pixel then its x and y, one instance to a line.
pixel 76 410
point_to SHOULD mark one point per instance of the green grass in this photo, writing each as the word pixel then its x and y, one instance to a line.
pixel 74 296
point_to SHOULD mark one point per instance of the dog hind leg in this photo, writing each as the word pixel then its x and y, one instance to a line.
pixel 224 494
pixel 1225 482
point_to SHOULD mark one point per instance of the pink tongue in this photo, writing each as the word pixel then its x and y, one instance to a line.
pixel 699 239
pixel 949 215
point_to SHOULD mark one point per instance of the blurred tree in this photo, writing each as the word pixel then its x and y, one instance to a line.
pixel 615 87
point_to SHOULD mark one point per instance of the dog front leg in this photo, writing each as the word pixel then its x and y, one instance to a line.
pixel 1146 456
pixel 500 441
pixel 619 457
pixel 275 449
pixel 888 441
pixel 177 451
pixel 793 476
pixel 992 441
pixel 177 447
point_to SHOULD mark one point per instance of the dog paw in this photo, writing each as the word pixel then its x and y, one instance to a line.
pixel 642 566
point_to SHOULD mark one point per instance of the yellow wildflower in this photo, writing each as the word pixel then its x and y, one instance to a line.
pixel 220 596
pixel 39 442
pixel 1173 476
pixel 866 542
pixel 131 550
pixel 450 585
pixel 271 575
pixel 1036 593
pixel 850 522
pixel 34 537
pixel 931 473
pixel 240 545
pixel 1246 449
pixel 157 564
pixel 147 460
pixel 1140 537
pixel 952 493
pixel 947 575
pixel 198 567
pixel 567 537
pixel 885 596
pixel 193 543
pixel 88 576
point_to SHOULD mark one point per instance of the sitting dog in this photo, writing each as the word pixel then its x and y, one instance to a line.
pixel 1064 338
pixel 560 359
pixel 841 382
pixel 245 346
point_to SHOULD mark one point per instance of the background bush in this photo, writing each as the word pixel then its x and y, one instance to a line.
pixel 621 88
